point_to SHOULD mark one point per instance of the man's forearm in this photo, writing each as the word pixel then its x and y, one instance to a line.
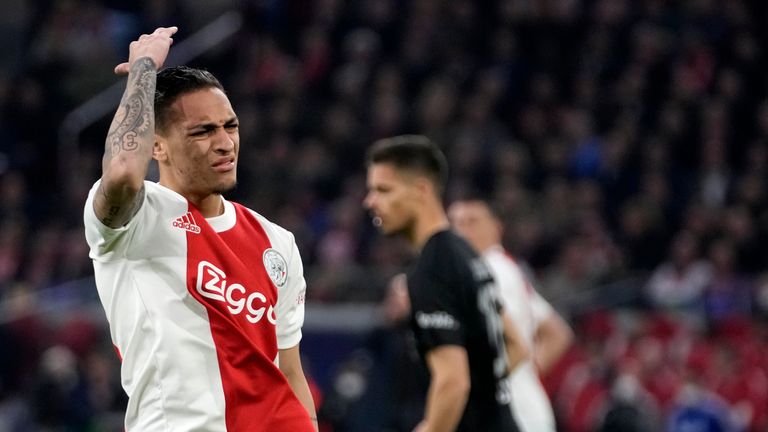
pixel 132 132
pixel 298 383
pixel 128 147
pixel 290 366
pixel 553 338
pixel 448 388
pixel 444 408
pixel 514 344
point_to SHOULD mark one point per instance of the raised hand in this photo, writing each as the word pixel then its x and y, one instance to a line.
pixel 155 46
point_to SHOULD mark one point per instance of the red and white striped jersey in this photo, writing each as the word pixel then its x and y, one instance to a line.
pixel 198 309
pixel 527 309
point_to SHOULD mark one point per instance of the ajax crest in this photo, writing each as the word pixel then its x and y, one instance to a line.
pixel 276 267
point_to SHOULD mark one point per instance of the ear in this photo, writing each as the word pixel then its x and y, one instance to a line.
pixel 424 186
pixel 160 149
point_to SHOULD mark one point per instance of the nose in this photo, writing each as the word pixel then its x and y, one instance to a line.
pixel 223 141
pixel 368 201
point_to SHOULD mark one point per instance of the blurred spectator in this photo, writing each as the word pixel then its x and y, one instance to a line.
pixel 567 281
pixel 60 395
pixel 698 408
pixel 641 232
pixel 630 408
pixel 679 282
pixel 729 293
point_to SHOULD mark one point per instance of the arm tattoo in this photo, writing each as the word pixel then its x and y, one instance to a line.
pixel 109 219
pixel 133 123
pixel 114 218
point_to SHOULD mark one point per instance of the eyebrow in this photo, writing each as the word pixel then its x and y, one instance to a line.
pixel 212 125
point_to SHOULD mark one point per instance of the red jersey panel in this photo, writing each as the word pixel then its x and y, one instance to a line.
pixel 240 299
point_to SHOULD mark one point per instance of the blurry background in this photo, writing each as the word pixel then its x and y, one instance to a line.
pixel 625 140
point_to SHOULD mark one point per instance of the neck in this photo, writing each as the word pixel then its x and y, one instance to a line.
pixel 486 246
pixel 430 221
pixel 209 206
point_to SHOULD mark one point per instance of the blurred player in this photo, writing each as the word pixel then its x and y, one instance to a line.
pixel 455 311
pixel 204 297
pixel 544 331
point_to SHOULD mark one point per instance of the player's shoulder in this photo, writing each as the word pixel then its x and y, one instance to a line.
pixel 447 255
pixel 164 201
pixel 275 231
pixel 447 243
pixel 156 190
pixel 151 187
pixel 500 258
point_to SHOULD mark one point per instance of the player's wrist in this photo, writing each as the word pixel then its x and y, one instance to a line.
pixel 148 60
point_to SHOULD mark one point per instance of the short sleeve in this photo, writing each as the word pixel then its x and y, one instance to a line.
pixel 436 312
pixel 540 308
pixel 511 283
pixel 105 242
pixel 290 302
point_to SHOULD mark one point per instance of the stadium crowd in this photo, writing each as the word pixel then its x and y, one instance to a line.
pixel 625 141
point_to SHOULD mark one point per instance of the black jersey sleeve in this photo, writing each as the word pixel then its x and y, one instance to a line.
pixel 436 315
pixel 437 303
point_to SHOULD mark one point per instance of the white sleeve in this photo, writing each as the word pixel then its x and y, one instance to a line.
pixel 511 285
pixel 290 302
pixel 105 242
pixel 540 308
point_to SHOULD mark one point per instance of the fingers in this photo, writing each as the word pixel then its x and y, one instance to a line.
pixel 122 69
pixel 146 44
pixel 161 31
pixel 166 31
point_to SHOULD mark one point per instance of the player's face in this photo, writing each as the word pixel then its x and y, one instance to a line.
pixel 474 221
pixel 391 198
pixel 201 144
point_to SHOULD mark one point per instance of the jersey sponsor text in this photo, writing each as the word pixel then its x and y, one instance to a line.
pixel 212 284
pixel 436 320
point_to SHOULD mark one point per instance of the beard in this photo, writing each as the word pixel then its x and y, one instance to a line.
pixel 222 189
pixel 402 230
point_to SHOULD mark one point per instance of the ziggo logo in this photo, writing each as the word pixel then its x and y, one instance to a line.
pixel 234 295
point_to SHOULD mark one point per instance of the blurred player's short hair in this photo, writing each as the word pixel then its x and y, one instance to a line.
pixel 415 153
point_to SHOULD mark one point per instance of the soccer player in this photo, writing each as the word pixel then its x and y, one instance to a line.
pixel 468 345
pixel 204 297
pixel 545 333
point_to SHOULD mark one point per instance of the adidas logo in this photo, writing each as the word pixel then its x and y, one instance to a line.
pixel 188 223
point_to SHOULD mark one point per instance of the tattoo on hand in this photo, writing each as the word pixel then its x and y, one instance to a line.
pixel 134 121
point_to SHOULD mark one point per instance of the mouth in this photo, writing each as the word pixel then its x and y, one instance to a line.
pixel 224 165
